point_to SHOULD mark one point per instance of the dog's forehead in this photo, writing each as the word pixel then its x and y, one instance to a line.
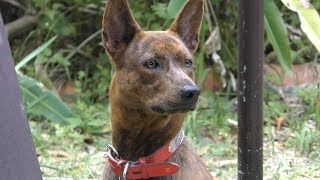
pixel 159 42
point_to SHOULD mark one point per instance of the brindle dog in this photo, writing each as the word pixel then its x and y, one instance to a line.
pixel 152 88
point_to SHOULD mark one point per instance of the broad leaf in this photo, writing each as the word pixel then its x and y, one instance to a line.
pixel 277 34
pixel 41 102
pixel 174 7
pixel 309 17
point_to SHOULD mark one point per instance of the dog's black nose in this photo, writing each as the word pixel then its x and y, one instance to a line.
pixel 190 91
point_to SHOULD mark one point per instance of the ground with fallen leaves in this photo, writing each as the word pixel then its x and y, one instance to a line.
pixel 72 158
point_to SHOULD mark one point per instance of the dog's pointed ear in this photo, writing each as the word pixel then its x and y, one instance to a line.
pixel 187 24
pixel 119 26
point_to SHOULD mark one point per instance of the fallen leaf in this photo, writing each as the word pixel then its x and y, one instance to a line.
pixel 280 121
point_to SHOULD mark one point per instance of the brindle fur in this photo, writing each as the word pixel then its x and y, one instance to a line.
pixel 147 110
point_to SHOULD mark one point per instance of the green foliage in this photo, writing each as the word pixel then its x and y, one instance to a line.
pixel 37 99
pixel 52 20
pixel 95 88
pixel 310 97
pixel 64 153
pixel 91 119
pixel 273 105
pixel 201 71
pixel 309 17
pixel 277 33
pixel 212 113
pixel 227 20
pixel 304 138
pixel 174 7
pixel 41 102
pixel 34 53
pixel 160 10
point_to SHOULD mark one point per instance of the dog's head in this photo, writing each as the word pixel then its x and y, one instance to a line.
pixel 153 69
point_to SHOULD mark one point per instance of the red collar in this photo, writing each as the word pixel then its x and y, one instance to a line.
pixel 153 165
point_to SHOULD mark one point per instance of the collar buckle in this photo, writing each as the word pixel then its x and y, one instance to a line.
pixel 125 170
pixel 111 149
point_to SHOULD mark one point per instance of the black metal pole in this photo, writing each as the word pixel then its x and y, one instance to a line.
pixel 18 158
pixel 250 78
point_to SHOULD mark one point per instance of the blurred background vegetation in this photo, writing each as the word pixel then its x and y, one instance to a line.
pixel 64 74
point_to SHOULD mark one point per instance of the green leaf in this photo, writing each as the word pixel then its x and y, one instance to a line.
pixel 34 53
pixel 96 123
pixel 40 3
pixel 74 122
pixel 160 10
pixel 174 7
pixel 41 102
pixel 60 59
pixel 277 34
pixel 56 21
pixel 309 18
pixel 63 27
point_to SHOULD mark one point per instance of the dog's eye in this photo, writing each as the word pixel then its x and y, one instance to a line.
pixel 188 63
pixel 152 63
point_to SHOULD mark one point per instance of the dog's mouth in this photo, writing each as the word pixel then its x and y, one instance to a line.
pixel 186 100
pixel 177 108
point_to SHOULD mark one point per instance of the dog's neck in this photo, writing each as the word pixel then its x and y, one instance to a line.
pixel 136 133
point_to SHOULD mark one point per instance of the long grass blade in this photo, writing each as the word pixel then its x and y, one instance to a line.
pixel 34 53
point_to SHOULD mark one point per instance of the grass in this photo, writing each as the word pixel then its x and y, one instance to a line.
pixel 65 153
pixel 291 152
